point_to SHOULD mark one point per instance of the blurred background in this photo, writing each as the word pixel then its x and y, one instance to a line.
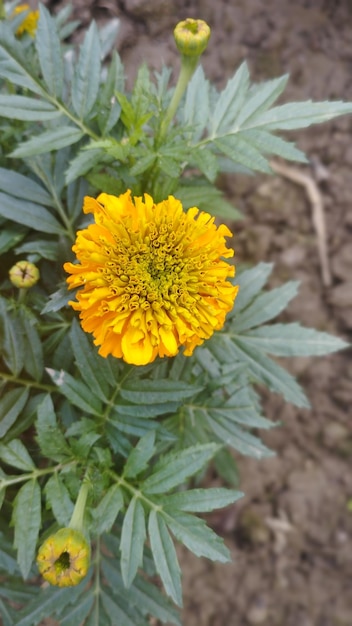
pixel 291 535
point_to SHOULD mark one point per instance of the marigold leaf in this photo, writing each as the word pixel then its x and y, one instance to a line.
pixel 58 498
pixel 138 460
pixel 165 558
pixel 33 363
pixel 293 340
pixel 27 521
pixel 14 64
pixel 49 52
pixel 107 510
pixel 201 500
pixel 157 391
pixel 29 214
pixel 15 454
pixel 76 391
pixel 27 109
pixel 49 140
pixel 175 467
pixel 91 366
pixel 133 536
pixel 85 84
pixel 11 406
pixel 266 306
pixel 197 537
pixel 250 283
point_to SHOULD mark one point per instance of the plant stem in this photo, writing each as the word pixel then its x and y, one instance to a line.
pixel 188 66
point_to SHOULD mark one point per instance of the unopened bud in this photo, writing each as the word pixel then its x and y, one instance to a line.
pixel 191 37
pixel 64 558
pixel 24 274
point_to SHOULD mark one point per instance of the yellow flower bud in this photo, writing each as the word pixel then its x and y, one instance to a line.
pixel 29 24
pixel 24 274
pixel 191 37
pixel 63 559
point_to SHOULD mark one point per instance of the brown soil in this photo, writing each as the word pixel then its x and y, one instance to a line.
pixel 291 535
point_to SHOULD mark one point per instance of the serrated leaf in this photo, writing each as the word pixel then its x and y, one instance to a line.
pixel 266 371
pixel 85 84
pixel 11 406
pixel 20 186
pixel 76 391
pixel 77 614
pixel 7 619
pixel 237 438
pixel 29 214
pixel 226 467
pixel 174 468
pixel 58 498
pixel 83 163
pixel 261 97
pixel 250 283
pixel 208 198
pixel 201 500
pixel 13 346
pixel 240 151
pixel 27 521
pixel 300 114
pixel 49 436
pixel 270 144
pixel 15 454
pixel 118 611
pixel 133 536
pixel 91 366
pixel 48 141
pixel 14 64
pixel 27 109
pixel 107 510
pixel 48 603
pixel 10 236
pixel 293 340
pixel 48 48
pixel 165 557
pixel 266 306
pixel 230 101
pixel 196 108
pixel 157 391
pixel 198 537
pixel 137 462
pixel 34 362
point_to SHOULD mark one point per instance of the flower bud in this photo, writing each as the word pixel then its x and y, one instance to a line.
pixel 24 274
pixel 191 37
pixel 64 558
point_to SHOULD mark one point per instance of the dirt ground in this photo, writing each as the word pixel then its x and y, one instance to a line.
pixel 291 535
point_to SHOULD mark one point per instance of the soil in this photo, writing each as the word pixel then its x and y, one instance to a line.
pixel 291 535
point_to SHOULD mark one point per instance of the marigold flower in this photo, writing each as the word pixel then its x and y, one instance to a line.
pixel 24 274
pixel 154 277
pixel 29 24
pixel 63 559
pixel 192 36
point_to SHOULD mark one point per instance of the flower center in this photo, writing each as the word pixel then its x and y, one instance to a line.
pixel 62 563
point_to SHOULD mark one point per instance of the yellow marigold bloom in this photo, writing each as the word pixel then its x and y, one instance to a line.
pixel 153 277
pixel 29 24
pixel 63 559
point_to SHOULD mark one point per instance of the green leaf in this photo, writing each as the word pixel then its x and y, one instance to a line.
pixel 133 536
pixel 15 184
pixel 76 391
pixel 48 47
pixel 118 610
pixel 208 198
pixel 238 438
pixel 269 144
pixel 141 454
pixel 83 163
pixel 27 109
pixel 206 161
pixel 48 603
pixel 292 340
pixel 15 454
pixel 48 141
pixel 266 306
pixel 14 64
pixel 33 363
pixel 27 521
pixel 91 366
pixel 198 537
pixel 77 614
pixel 196 109
pixel 10 236
pixel 201 500
pixel 13 345
pixel 250 283
pixel 300 114
pixel 49 436
pixel 7 619
pixel 86 79
pixel 11 406
pixel 29 214
pixel 174 468
pixel 107 510
pixel 230 102
pixel 165 557
pixel 157 391
pixel 266 371
pixel 240 151
pixel 59 500
pixel 261 97
pixel 226 467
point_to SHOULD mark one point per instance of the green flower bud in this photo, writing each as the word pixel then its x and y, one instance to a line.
pixel 191 37
pixel 64 558
pixel 24 274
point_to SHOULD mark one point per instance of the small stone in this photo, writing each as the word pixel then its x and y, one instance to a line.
pixel 258 611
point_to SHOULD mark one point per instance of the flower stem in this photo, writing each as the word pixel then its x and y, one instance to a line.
pixel 188 66
pixel 77 519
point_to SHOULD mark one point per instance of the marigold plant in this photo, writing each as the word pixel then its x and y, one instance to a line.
pixel 108 425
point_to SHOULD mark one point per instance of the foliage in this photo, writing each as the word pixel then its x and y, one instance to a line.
pixel 141 438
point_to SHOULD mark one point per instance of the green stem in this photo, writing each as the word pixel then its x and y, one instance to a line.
pixel 77 519
pixel 37 473
pixel 188 66
pixel 28 383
